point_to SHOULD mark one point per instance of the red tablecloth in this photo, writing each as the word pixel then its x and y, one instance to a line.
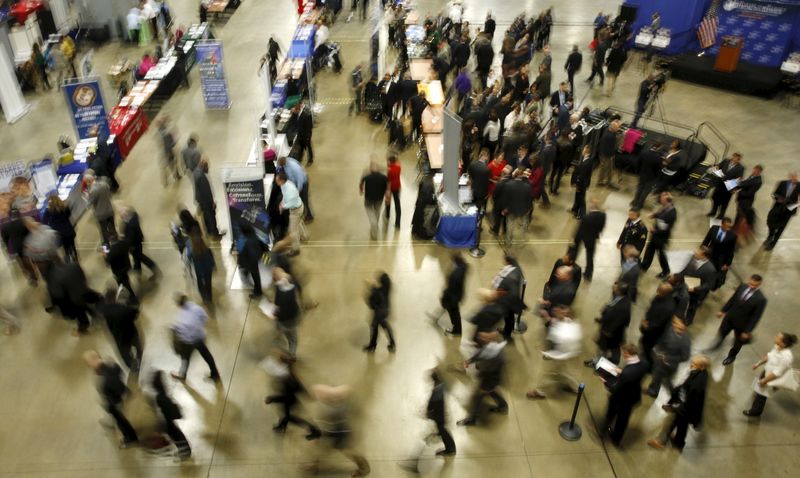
pixel 128 124
pixel 21 10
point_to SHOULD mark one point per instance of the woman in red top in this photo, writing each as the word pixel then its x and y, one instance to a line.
pixel 393 173
pixel 495 170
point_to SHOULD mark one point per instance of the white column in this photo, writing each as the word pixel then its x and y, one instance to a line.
pixel 61 15
pixel 14 105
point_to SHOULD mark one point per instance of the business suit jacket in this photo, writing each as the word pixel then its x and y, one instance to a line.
pixel 512 284
pixel 561 293
pixel 748 188
pixel 744 315
pixel 582 175
pixel 454 292
pixel 721 252
pixel 667 218
pixel 634 233
pixel 576 274
pixel 555 98
pixel 657 318
pixel 626 390
pixel 680 297
pixel 479 179
pixel 202 190
pixel 689 398
pixel 132 231
pixel 519 199
pixel 488 317
pixel 781 201
pixel 707 275
pixel 731 172
pixel 305 125
pixel 590 227
pixel 121 320
pixel 574 61
pixel 631 277
pixel 649 165
pixel 614 321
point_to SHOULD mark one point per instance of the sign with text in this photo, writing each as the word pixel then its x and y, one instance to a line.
pixel 85 101
pixel 212 75
pixel 247 204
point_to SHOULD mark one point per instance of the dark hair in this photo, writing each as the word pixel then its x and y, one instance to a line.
pixel 636 210
pixel 392 158
pixel 385 282
pixel 182 299
pixel 757 277
pixel 788 339
pixel 630 349
pixel 282 176
pixel 727 220
pixel 622 287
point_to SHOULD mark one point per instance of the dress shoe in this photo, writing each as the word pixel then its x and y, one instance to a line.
pixel 456 333
pixel 368 349
pixel 500 410
pixel 391 348
pixel 313 434
pixel 467 422
pixel 748 413
pixel 445 452
pixel 711 214
pixel 728 360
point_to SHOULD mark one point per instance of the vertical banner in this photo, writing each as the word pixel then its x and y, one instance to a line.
pixel 451 137
pixel 247 203
pixel 212 74
pixel 85 101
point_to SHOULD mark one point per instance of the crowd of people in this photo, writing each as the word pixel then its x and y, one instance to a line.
pixel 519 139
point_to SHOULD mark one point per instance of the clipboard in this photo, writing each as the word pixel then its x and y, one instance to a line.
pixel 731 184
pixel 606 369
pixel 692 282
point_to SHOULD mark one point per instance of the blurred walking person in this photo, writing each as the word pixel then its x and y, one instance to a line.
pixel 112 390
pixel 189 334
pixel 378 302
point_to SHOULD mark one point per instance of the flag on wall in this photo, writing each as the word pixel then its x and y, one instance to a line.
pixel 707 31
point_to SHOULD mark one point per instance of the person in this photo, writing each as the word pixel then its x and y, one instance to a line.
pixel 479 179
pixel 145 64
pixel 117 255
pixel 202 260
pixel 426 209
pixel 565 335
pixel 112 391
pixel 132 233
pixel 191 155
pixel 189 334
pixel 649 169
pixel 287 311
pixel 660 232
pixel 517 204
pixel 740 315
pixel 490 362
pixel 289 387
pixel 305 128
pixel 630 271
pixel 453 294
pixel 699 268
pixel 680 294
pixel 614 320
pixel 573 66
pixel 657 318
pixel 291 202
pixel 686 405
pixel 617 56
pixel 508 284
pixel 435 411
pixel 58 217
pixel 745 197
pixel 672 349
pixel 491 132
pixel 721 240
pixel 134 21
pixel 14 232
pixel 170 412
pixel 375 188
pixel 607 149
pixel 634 233
pixel 625 392
pixel 357 83
pixel 204 197
pixel 561 290
pixel 786 197
pixel 778 372
pixel 168 143
pixel 646 88
pixel 581 180
pixel 484 56
pixel 378 302
pixel 121 322
pixel 393 174
pixel 598 60
pixel 674 162
pixel 99 198
pixel 589 229
pixel 730 170
pixel 68 290
pixel 250 250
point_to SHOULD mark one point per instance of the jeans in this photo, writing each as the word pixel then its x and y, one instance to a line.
pixel 204 352
pixel 374 214
pixel 396 197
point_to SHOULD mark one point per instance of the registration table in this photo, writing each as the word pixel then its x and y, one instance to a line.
pixel 435 148
pixel 432 119
pixel 433 92
pixel 458 226
pixel 420 69
pixel 128 124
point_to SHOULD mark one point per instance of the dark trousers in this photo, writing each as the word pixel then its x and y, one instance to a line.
pixel 597 70
pixel 378 321
pixel 455 317
pixel 139 258
pixel 617 418
pixel 306 201
pixel 555 176
pixel 579 204
pixel 640 107
pixel 777 220
pixel 204 352
pixel 70 252
pixel 757 408
pixel 444 434
pixel 178 438
pixel 204 285
pixel 719 202
pixel 210 220
pixel 255 274
pixel 125 427
pixel 662 375
pixel 477 402
pixel 650 250
pixel 107 228
pixel 571 79
pixel 744 209
pixel 125 346
pixel 396 197
pixel 695 301
pixel 643 189
pixel 680 424
pixel 288 402
pixel 508 324
pixel 125 281
pixel 613 354
pixel 590 248
pixel 498 220
pixel 304 144
pixel 725 328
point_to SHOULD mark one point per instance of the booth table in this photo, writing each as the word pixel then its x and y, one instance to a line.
pixel 433 92
pixel 432 121
pixel 435 147
pixel 128 124
pixel 420 69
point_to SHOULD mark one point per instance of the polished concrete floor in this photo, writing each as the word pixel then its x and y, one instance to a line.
pixel 49 408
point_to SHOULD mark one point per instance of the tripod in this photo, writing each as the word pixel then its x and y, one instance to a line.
pixel 655 103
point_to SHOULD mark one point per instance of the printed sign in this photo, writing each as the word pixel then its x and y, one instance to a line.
pixel 247 204
pixel 212 75
pixel 85 101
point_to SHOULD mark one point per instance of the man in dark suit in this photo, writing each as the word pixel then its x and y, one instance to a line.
pixel 700 267
pixel 118 259
pixel 417 105
pixel 625 393
pixel 121 321
pixel 559 97
pixel 660 234
pixel 572 66
pixel 598 61
pixel 436 413
pixel 730 169
pixel 721 240
pixel 508 283
pixel 490 362
pixel 559 292
pixel 568 260
pixel 786 196
pixel 746 195
pixel 680 294
pixel 741 315
pixel 479 179
pixel 589 230
pixel 484 56
pixel 454 293
pixel 634 233
pixel 499 199
pixel 112 390
pixel 581 180
pixel 132 232
pixel 613 320
pixel 517 205
pixel 656 319
pixel 305 127
pixel 649 167
pixel 204 198
pixel 631 270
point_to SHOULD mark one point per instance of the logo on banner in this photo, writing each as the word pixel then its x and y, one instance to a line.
pixel 85 102
pixel 84 96
pixel 753 8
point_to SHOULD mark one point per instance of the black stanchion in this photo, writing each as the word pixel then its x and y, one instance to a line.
pixel 571 431
pixel 476 250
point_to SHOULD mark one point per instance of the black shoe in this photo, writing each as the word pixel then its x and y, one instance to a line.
pixel 391 348
pixel 587 277
pixel 253 295
pixel 500 410
pixel 279 428
pixel 748 413
pixel 128 444
pixel 467 422
pixel 711 214
pixel 313 434
pixel 369 349
pixel 268 400
pixel 445 452
pixel 728 360
pixel 457 333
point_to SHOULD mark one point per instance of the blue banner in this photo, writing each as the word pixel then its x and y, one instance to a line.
pixel 212 75
pixel 88 111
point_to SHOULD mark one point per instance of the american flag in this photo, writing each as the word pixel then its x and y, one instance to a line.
pixel 709 27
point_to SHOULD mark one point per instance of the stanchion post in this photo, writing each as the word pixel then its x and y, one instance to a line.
pixel 569 430
pixel 476 250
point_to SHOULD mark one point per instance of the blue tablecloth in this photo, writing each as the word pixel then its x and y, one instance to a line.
pixel 457 231
pixel 302 45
